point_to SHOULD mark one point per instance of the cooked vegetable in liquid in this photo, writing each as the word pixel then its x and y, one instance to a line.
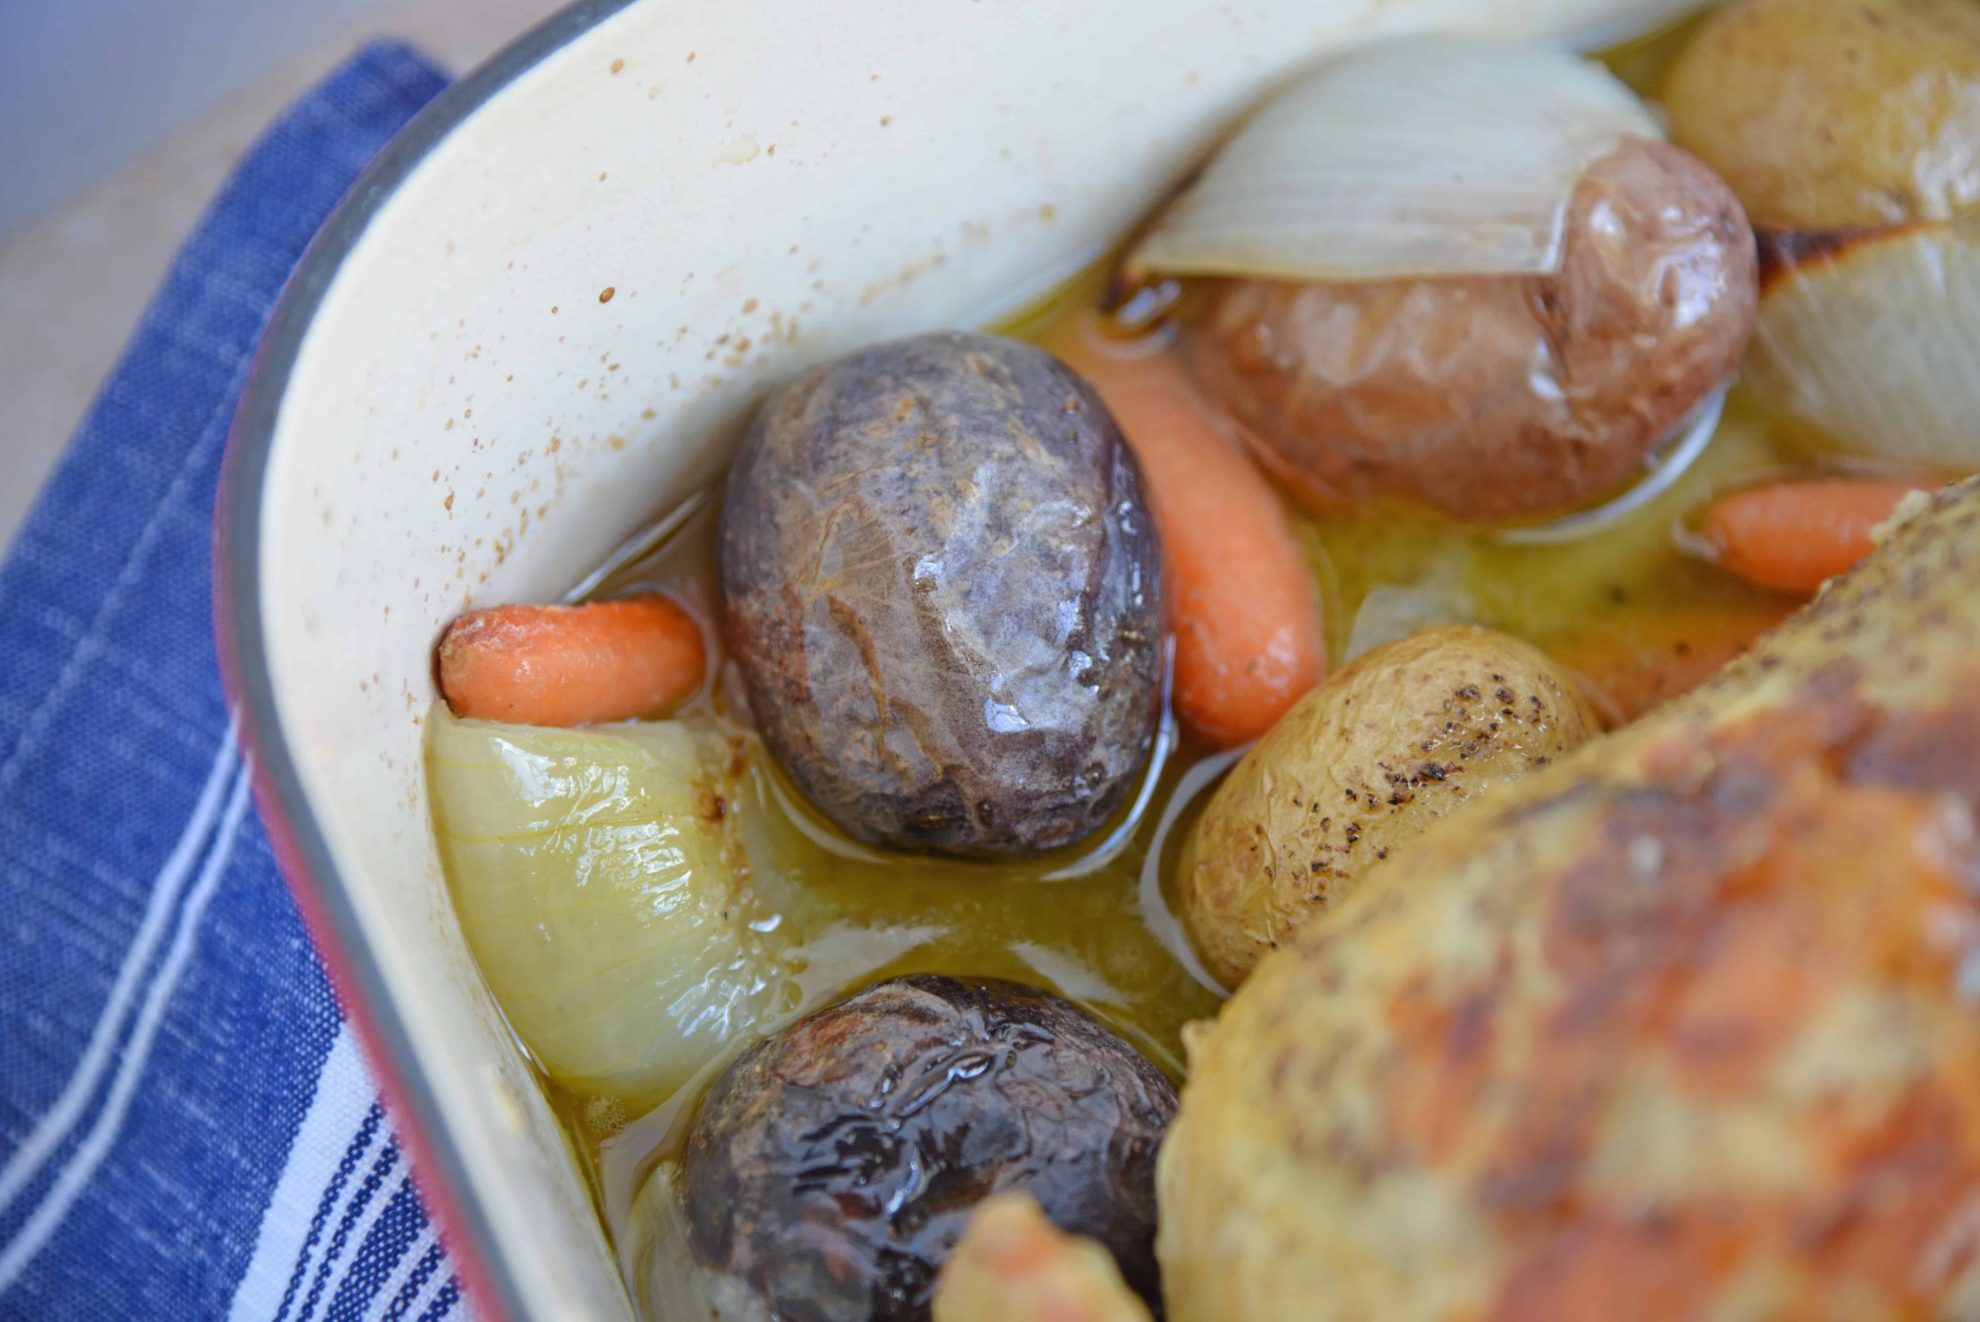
pixel 832 1167
pixel 960 674
pixel 940 586
pixel 1852 133
pixel 1364 763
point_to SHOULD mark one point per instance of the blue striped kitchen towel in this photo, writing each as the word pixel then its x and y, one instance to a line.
pixel 187 1129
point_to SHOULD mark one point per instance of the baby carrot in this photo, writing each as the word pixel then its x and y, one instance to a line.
pixel 1241 603
pixel 1791 536
pixel 569 665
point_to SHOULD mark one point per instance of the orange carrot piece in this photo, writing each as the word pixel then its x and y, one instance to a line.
pixel 571 665
pixel 1792 536
pixel 1241 601
pixel 1642 659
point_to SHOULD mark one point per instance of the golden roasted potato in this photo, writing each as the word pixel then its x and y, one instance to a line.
pixel 1498 396
pixel 1360 765
pixel 1683 1027
pixel 1827 114
pixel 1013 1264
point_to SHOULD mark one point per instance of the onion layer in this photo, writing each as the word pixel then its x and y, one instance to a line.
pixel 1420 156
pixel 1496 397
pixel 1870 341
pixel 599 877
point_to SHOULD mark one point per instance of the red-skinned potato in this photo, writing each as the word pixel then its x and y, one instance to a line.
pixel 1495 397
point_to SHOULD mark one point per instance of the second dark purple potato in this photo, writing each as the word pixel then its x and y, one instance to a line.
pixel 942 587
pixel 830 1170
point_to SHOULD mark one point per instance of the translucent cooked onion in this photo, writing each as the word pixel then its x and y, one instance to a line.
pixel 1394 611
pixel 670 1284
pixel 600 878
pixel 1421 156
pixel 1872 341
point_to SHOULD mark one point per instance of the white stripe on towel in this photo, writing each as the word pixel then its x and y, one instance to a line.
pixel 344 1093
pixel 53 1128
pixel 89 1154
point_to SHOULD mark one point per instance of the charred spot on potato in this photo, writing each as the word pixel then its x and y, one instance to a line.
pixel 831 1168
pixel 942 587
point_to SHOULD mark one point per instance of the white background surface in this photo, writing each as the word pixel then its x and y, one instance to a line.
pixel 118 121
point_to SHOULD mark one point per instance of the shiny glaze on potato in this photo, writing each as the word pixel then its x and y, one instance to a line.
pixel 942 586
pixel 1493 397
pixel 833 1167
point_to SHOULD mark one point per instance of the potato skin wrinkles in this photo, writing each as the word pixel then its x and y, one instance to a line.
pixel 1492 397
pixel 1356 771
pixel 942 586
pixel 1680 1027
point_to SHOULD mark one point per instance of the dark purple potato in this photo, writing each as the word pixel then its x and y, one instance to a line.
pixel 831 1168
pixel 942 586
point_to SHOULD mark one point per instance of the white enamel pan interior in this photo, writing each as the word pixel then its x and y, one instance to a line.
pixel 538 321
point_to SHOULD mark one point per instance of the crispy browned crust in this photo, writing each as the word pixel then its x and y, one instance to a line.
pixel 1682 1027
